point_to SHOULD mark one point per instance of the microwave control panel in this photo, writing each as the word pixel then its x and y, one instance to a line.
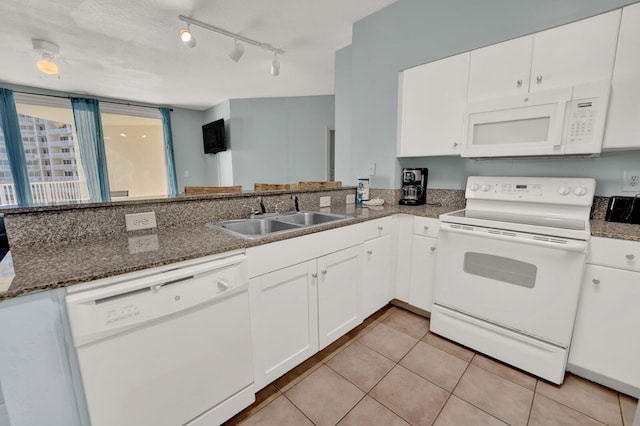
pixel 582 116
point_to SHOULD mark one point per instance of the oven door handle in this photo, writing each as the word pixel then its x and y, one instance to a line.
pixel 573 246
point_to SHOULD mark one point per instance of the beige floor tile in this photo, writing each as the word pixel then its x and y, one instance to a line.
pixel 324 396
pixel 361 366
pixel 301 371
pixel 388 341
pixel 497 396
pixel 448 346
pixel 505 371
pixel 334 348
pixel 458 412
pixel 547 412
pixel 587 397
pixel 371 413
pixel 413 398
pixel 435 365
pixel 629 406
pixel 407 322
pixel 280 412
pixel 263 397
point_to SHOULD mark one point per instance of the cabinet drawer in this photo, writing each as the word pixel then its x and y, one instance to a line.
pixel 376 228
pixel 615 253
pixel 426 226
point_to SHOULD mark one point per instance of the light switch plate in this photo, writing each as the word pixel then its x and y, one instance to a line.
pixel 325 201
pixel 137 221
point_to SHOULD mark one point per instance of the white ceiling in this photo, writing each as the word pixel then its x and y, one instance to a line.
pixel 129 49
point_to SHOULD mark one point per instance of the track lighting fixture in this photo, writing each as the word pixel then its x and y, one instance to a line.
pixel 187 37
pixel 238 48
pixel 48 56
pixel 237 52
pixel 275 66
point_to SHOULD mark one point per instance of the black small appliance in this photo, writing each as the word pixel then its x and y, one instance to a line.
pixel 414 186
pixel 623 209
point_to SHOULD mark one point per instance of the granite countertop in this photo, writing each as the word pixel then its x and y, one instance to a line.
pixel 60 265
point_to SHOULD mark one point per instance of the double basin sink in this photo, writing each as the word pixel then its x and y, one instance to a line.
pixel 264 226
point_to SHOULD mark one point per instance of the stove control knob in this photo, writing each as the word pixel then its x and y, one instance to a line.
pixel 486 187
pixel 580 191
pixel 474 187
pixel 564 190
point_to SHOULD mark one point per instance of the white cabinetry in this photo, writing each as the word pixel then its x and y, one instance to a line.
pixel 623 120
pixel 570 55
pixel 423 256
pixel 604 347
pixel 431 102
pixel 377 263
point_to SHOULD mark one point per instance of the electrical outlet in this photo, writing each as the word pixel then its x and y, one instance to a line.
pixel 351 199
pixel 142 243
pixel 325 201
pixel 631 181
pixel 137 221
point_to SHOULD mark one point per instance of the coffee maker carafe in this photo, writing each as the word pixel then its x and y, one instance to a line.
pixel 414 186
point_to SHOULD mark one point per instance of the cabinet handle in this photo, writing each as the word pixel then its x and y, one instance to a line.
pixel 539 79
pixel 630 256
pixel 369 251
pixel 595 281
pixel 519 83
pixel 314 275
pixel 433 249
pixel 323 272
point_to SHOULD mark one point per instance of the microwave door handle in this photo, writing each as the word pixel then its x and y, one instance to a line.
pixel 563 113
pixel 573 246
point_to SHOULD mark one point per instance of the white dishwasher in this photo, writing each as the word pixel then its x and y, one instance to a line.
pixel 166 346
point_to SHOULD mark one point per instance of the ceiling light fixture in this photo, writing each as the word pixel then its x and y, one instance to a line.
pixel 187 37
pixel 48 56
pixel 237 52
pixel 238 49
pixel 275 66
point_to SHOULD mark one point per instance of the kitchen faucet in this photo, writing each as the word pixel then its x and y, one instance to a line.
pixel 277 211
pixel 261 205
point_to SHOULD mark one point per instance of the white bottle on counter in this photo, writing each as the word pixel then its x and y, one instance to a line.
pixel 363 189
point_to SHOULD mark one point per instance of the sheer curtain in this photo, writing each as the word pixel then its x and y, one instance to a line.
pixel 86 114
pixel 168 143
pixel 15 152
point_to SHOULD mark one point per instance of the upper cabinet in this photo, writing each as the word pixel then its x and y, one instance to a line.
pixel 623 120
pixel 569 55
pixel 431 102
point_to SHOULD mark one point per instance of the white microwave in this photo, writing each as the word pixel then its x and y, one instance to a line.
pixel 568 121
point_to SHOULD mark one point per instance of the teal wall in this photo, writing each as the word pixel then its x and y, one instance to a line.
pixel 413 32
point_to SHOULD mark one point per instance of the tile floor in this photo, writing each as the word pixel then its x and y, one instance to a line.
pixel 391 370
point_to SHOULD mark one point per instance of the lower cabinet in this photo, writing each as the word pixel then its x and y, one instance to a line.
pixel 423 262
pixel 376 274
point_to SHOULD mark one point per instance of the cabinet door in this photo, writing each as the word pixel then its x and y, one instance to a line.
pixel 339 293
pixel 501 69
pixel 423 261
pixel 431 103
pixel 376 276
pixel 623 121
pixel 605 335
pixel 284 320
pixel 574 54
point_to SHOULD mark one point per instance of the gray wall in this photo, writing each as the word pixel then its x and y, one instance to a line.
pixel 414 32
pixel 279 140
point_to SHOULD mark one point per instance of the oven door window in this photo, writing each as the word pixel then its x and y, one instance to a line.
pixel 500 268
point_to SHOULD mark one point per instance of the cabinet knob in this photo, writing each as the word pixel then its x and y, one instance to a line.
pixel 323 272
pixel 369 251
pixel 595 281
pixel 630 256
pixel 380 228
pixel 519 83
pixel 539 79
pixel 426 228
pixel 314 275
pixel 455 144
pixel 433 249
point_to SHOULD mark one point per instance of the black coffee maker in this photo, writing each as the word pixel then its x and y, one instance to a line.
pixel 414 186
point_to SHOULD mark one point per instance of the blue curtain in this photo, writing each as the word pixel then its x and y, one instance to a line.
pixel 86 114
pixel 15 152
pixel 168 148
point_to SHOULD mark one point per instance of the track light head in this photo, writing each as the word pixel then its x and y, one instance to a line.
pixel 186 36
pixel 275 66
pixel 237 51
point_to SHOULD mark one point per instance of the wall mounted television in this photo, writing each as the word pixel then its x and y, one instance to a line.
pixel 214 137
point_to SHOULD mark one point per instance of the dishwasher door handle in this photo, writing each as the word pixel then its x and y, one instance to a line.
pixel 157 287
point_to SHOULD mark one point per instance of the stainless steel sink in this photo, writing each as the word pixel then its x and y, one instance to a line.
pixel 264 226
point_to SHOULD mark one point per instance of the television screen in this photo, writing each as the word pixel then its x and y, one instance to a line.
pixel 214 137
